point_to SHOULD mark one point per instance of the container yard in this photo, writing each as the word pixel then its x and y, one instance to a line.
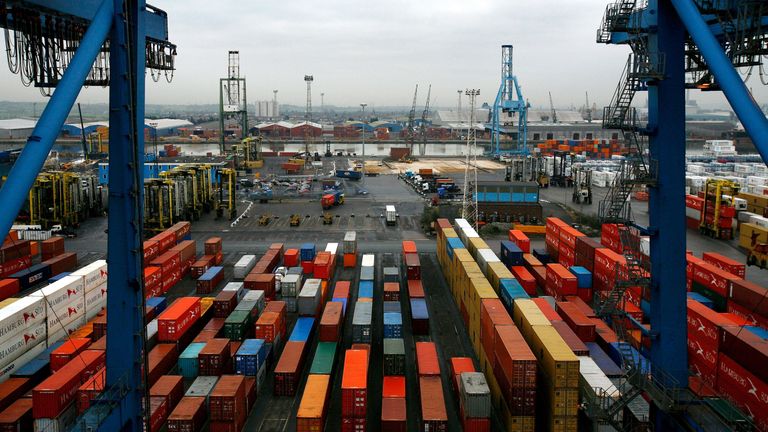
pixel 499 267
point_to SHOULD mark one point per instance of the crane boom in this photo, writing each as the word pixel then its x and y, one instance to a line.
pixel 552 109
pixel 423 126
pixel 411 121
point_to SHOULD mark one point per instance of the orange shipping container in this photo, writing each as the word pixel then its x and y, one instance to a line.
pixel 314 404
pixel 354 384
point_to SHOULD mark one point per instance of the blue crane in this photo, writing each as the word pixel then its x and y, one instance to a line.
pixel 137 36
pixel 664 62
pixel 509 99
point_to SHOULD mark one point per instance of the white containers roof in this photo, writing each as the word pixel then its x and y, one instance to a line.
pixel 332 248
pixel 20 315
pixel 14 346
pixel 309 297
pixel 290 285
pixel 244 265
pixel 485 256
pixel 13 365
pixel 350 242
pixel 390 208
pixel 237 287
pixel 368 260
pixel 595 378
pixel 94 274
pixel 62 292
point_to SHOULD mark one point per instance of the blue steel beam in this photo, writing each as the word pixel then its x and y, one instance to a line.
pixel 156 19
pixel 23 173
pixel 125 303
pixel 750 114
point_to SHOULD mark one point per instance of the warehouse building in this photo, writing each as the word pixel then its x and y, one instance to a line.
pixel 16 128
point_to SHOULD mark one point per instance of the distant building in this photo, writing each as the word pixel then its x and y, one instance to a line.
pixel 267 109
pixel 16 128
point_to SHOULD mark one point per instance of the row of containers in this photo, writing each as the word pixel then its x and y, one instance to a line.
pixel 25 265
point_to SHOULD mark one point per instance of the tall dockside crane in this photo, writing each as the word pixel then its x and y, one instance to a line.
pixel 410 131
pixel 509 99
pixel 108 42
pixel 233 105
pixel 469 200
pixel 423 125
pixel 552 111
pixel 675 45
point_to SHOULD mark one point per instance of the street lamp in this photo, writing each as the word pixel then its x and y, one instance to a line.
pixel 363 105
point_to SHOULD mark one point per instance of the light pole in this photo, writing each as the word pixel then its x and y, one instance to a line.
pixel 363 105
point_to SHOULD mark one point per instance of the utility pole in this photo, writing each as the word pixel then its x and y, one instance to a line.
pixel 322 104
pixel 469 202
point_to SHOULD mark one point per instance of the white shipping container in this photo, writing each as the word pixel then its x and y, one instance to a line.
pixel 61 423
pixel 61 292
pixel 62 315
pixel 95 301
pixel 25 358
pixel 309 297
pixel 237 287
pixel 20 315
pixel 485 256
pixel 692 213
pixel 368 260
pixel 68 328
pixel 152 329
pixel 94 274
pixel 258 297
pixel 332 248
pixel 745 216
pixel 595 378
pixel 13 347
pixel 759 221
pixel 243 266
pixel 350 242
pixel 290 286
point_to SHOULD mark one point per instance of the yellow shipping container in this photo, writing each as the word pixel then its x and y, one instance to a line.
pixel 754 199
pixel 527 314
pixel 464 272
pixel 7 301
pixel 518 423
pixel 557 361
pixel 450 232
pixel 476 243
pixel 750 234
pixel 205 304
pixel 563 402
pixel 496 272
pixel 564 424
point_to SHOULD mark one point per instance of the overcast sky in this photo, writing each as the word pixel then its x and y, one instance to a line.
pixel 375 52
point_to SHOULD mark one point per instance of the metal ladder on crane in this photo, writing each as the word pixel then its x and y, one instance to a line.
pixel 615 18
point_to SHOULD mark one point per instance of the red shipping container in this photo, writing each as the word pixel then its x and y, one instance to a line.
pixel 8 288
pixel 202 265
pixel 426 359
pixel 158 413
pixel 354 384
pixel 749 295
pixel 341 290
pixel 188 416
pixel 413 267
pixel 747 315
pixel 330 322
pixel 165 240
pixel 739 384
pixel 409 247
pixel 585 252
pixel 288 369
pixel 353 424
pixel 308 267
pixel 181 230
pixel 14 265
pixel 64 262
pixel 161 360
pixel 525 278
pixel 212 246
pixel 322 265
pixel 513 357
pixel 168 261
pixel 391 291
pixel 291 258
pixel 570 338
pixel 208 286
pixel 227 400
pixel 173 322
pixel 433 414
pixel 69 349
pixel 415 289
pixel 12 389
pixel 261 281
pixel 224 303
pixel 394 415
pixel 350 260
pixel 604 335
pixel 521 240
pixel 153 281
pixel 690 261
pixel 566 257
pixel 704 324
pixel 746 348
pixel 186 249
pixel 582 306
pixel 151 250
pixel 577 321
pixel 215 358
pixel 568 236
pixel 492 314
pixel 475 424
pixel 458 366
pixel 170 279
pixel 168 387
pixel 280 308
pixel 560 282
pixel 703 359
pixel 547 309
pixel 713 278
pixel 90 389
pixel 267 327
pixel 56 392
pixel 17 417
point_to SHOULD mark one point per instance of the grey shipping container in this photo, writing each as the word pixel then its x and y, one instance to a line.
pixel 243 266
pixel 290 285
pixel 394 357
pixel 366 273
pixel 291 304
pixel 256 296
pixel 202 387
pixel 361 323
pixel 391 274
pixel 475 395
pixel 309 297
pixel 236 287
pixel 295 271
pixel 392 306
pixel 350 242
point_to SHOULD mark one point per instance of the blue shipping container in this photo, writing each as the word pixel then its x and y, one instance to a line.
pixel 38 368
pixel 211 273
pixel 307 252
pixel 159 303
pixel 392 306
pixel 393 325
pixel 419 309
pixel 365 289
pixel 608 366
pixel 511 254
pixel 58 277
pixel 511 290
pixel 343 302
pixel 761 332
pixel 453 243
pixel 640 361
pixel 541 255
pixel 302 331
pixel 251 355
pixel 188 366
pixel 701 299
pixel 32 275
pixel 583 276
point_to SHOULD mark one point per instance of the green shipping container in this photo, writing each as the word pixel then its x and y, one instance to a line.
pixel 238 325
pixel 394 357
pixel 325 357
pixel 719 302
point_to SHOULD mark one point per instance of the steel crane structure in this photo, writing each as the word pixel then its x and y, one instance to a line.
pixel 410 131
pixel 232 101
pixel 423 125
pixel 62 46
pixel 509 99
pixel 469 199
pixel 676 44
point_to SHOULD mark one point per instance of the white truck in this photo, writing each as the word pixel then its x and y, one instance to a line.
pixel 391 215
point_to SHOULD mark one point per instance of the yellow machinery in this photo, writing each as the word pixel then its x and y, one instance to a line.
pixel 225 182
pixel 295 220
pixel 717 207
pixel 327 218
pixel 160 208
pixel 248 153
pixel 193 184
pixel 264 219
pixel 63 198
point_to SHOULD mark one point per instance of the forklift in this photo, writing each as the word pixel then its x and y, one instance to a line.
pixel 582 185
pixel 716 208
pixel 559 178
